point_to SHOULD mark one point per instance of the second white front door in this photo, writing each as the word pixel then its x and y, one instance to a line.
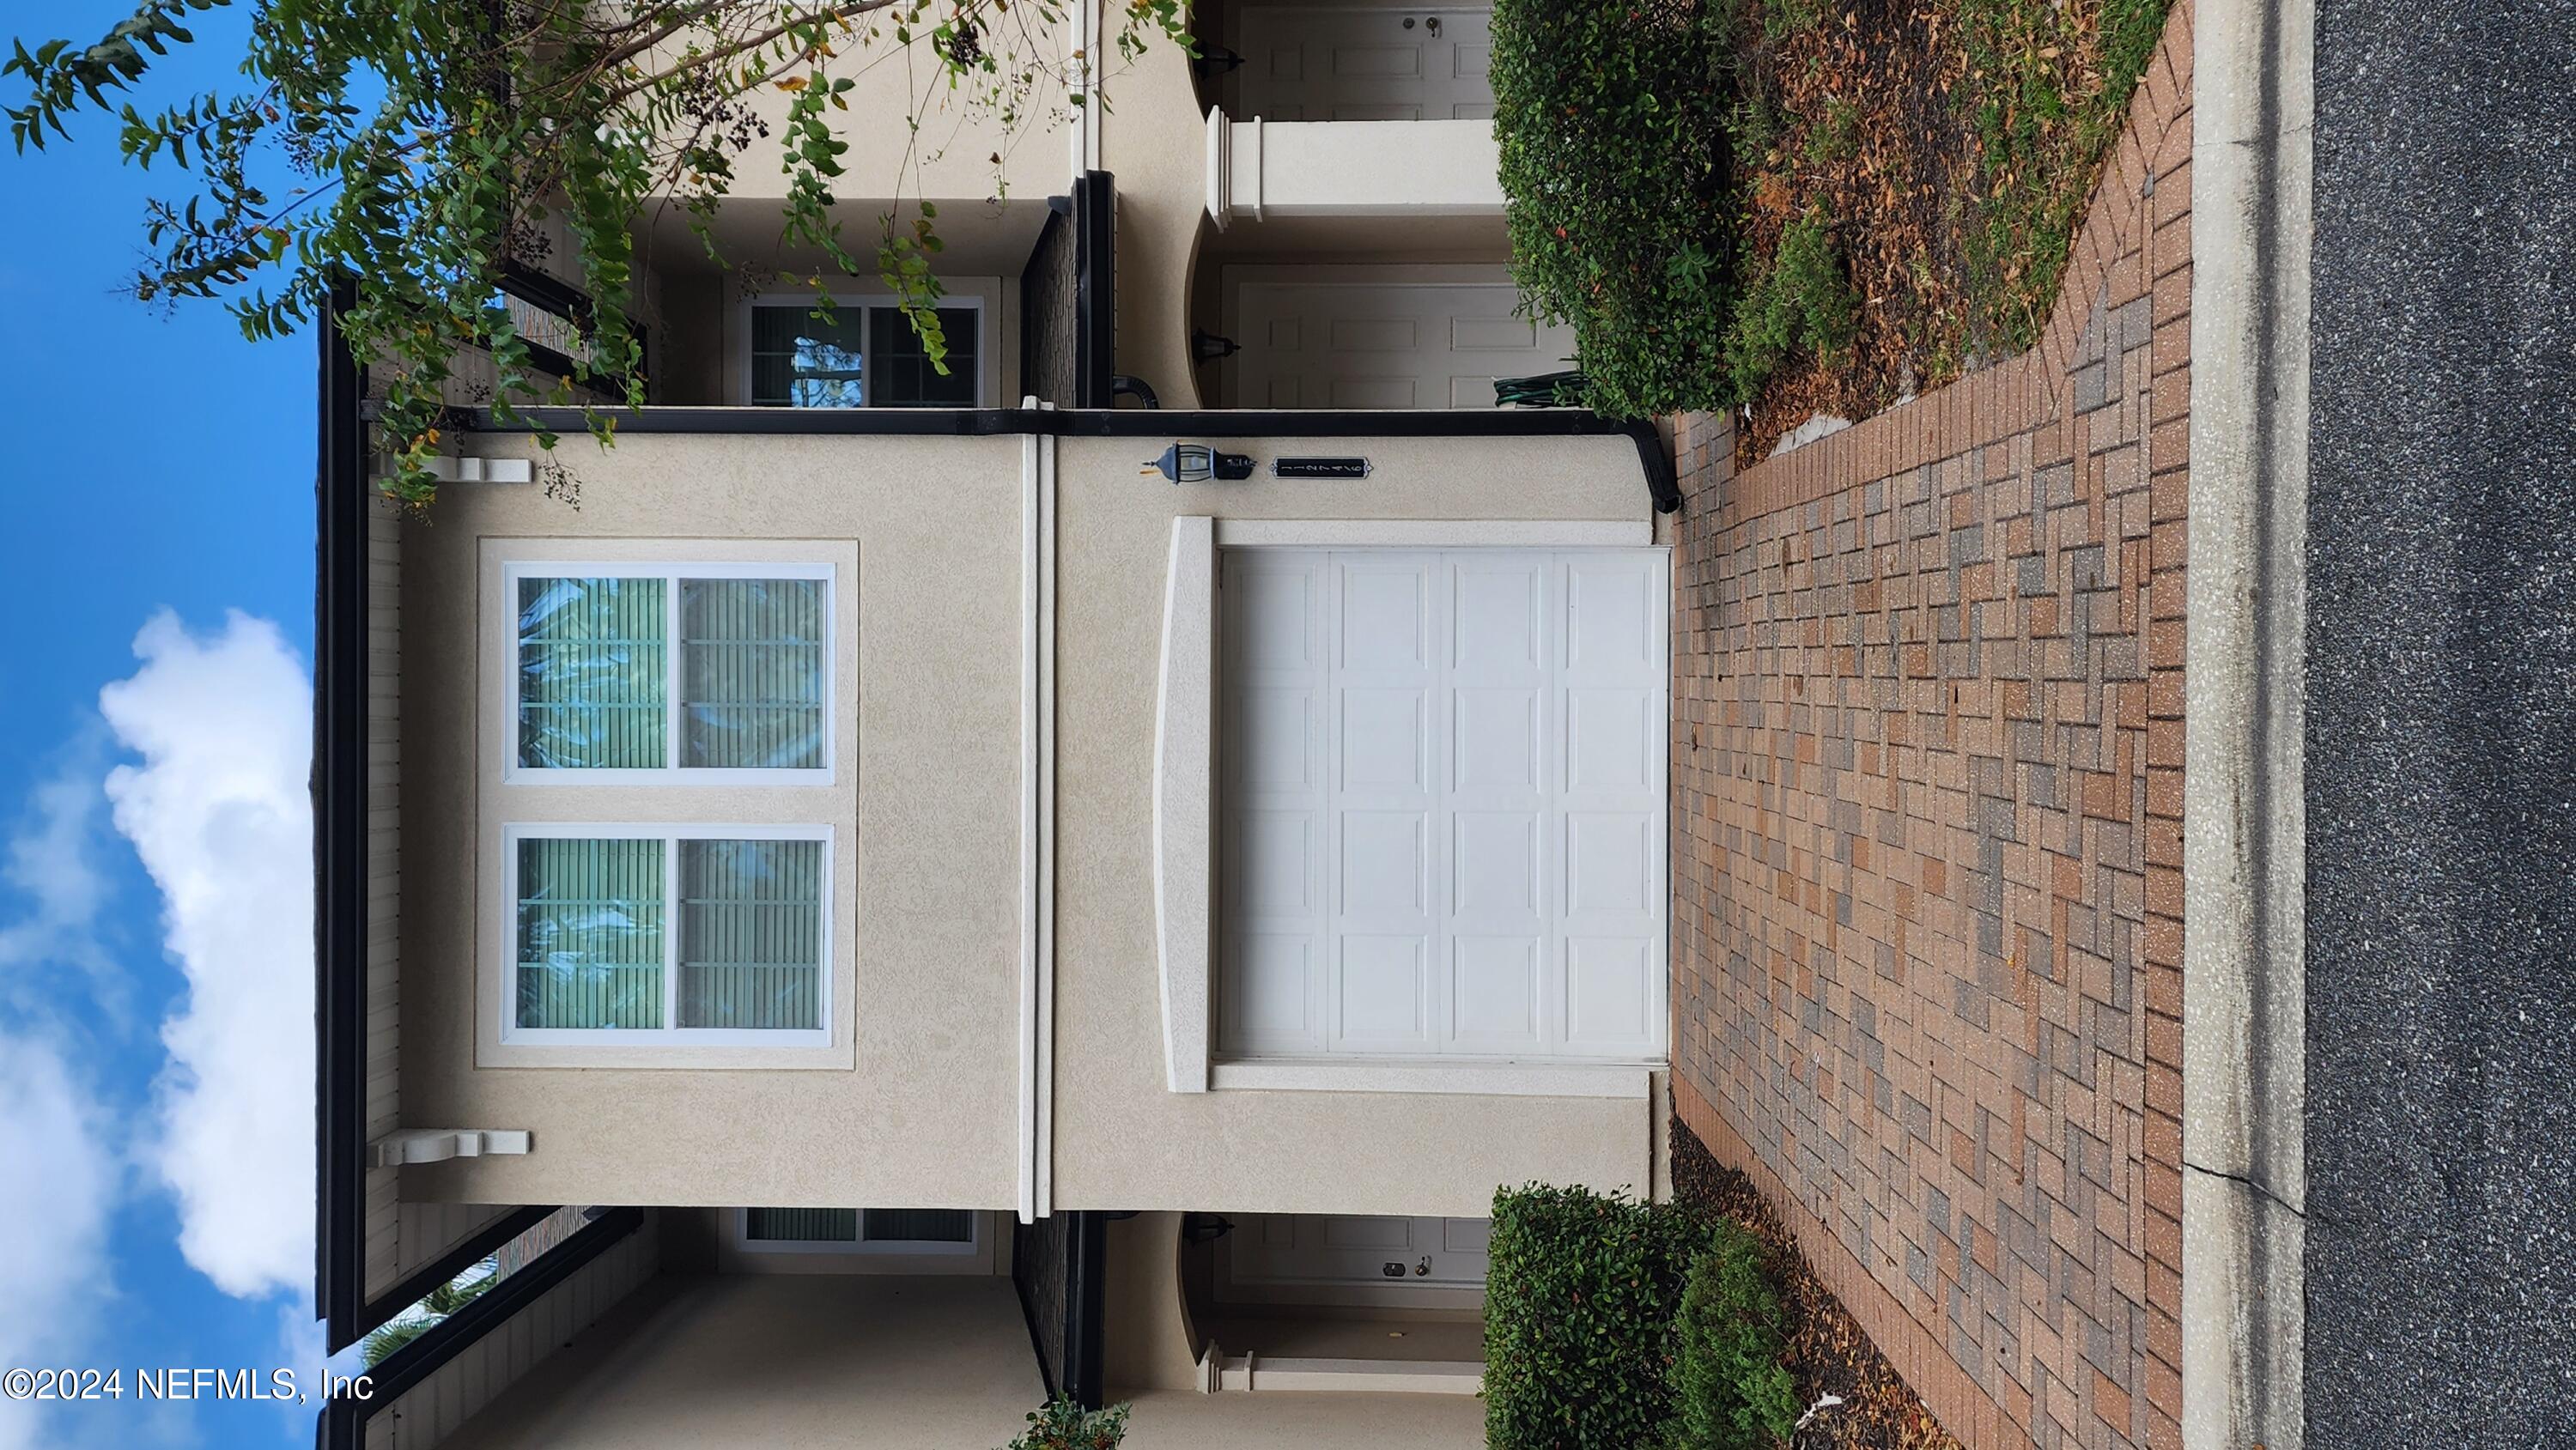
pixel 1365 63
pixel 1329 337
pixel 1442 802
pixel 1294 1257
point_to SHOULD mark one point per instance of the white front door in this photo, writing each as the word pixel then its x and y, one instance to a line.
pixel 1442 802
pixel 1285 1257
pixel 1365 63
pixel 1340 342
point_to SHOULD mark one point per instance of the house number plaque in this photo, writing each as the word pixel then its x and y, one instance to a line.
pixel 1320 468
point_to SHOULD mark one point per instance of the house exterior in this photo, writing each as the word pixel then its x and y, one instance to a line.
pixel 918 881
pixel 890 895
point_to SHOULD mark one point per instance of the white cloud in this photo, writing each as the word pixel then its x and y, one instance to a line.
pixel 53 859
pixel 55 1196
pixel 217 810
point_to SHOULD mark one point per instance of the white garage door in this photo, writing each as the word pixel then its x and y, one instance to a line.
pixel 1442 802
pixel 1365 63
pixel 1346 344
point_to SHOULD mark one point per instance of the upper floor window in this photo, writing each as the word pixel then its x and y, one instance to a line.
pixel 681 672
pixel 865 355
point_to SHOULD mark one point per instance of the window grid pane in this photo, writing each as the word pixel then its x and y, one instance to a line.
pixel 591 674
pixel 753 669
pixel 751 949
pixel 801 1225
pixel 590 933
pixel 901 366
pixel 799 360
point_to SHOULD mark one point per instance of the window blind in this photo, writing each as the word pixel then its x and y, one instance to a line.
pixel 590 933
pixel 753 672
pixel 592 660
pixel 751 949
pixel 801 1225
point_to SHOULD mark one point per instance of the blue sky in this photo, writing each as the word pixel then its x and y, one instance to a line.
pixel 154 959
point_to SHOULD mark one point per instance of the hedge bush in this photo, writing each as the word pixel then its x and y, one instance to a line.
pixel 1611 119
pixel 1730 1391
pixel 1580 1297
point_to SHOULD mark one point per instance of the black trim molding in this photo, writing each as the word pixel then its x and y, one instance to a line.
pixel 339 783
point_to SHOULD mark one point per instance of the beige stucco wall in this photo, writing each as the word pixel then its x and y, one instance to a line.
pixel 928 1114
pixel 1121 1139
pixel 925 805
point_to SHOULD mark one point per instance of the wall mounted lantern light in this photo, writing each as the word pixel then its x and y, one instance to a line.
pixel 1198 463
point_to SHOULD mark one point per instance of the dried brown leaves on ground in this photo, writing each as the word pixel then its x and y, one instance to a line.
pixel 1951 145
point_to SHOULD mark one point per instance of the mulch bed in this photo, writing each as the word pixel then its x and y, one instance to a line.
pixel 1828 1353
pixel 1953 144
pixel 1866 129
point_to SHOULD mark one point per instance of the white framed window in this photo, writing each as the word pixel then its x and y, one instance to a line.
pixel 865 355
pixel 933 1231
pixel 626 935
pixel 677 673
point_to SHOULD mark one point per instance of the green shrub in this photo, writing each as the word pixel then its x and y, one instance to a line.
pixel 1060 1424
pixel 1730 1391
pixel 1802 301
pixel 1610 116
pixel 1579 1303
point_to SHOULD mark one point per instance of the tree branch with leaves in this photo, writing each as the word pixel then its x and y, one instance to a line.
pixel 420 149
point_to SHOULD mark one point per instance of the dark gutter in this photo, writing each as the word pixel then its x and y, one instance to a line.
pixel 1095 290
pixel 1652 455
pixel 339 786
pixel 343 1421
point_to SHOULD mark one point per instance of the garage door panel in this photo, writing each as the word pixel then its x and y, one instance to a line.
pixel 1384 864
pixel 1606 992
pixel 1271 998
pixel 1614 619
pixel 1495 866
pixel 1272 857
pixel 1498 740
pixel 1383 739
pixel 1383 993
pixel 1273 729
pixel 1274 627
pixel 1386 618
pixel 1607 856
pixel 1498 612
pixel 1610 739
pixel 1494 996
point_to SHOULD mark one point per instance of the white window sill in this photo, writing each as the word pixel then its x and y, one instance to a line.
pixel 1420 1075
